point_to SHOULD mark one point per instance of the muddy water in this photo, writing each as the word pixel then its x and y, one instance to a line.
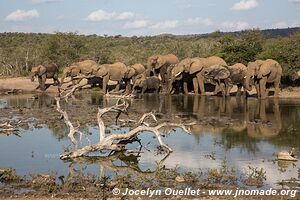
pixel 239 132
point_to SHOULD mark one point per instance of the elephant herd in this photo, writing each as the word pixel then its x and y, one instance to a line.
pixel 167 74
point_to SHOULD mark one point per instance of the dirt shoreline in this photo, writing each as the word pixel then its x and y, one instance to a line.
pixel 14 85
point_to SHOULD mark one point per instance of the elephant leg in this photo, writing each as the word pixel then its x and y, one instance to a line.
pixel 277 88
pixel 217 89
pixel 56 81
pixel 245 93
pixel 239 90
pixel 117 88
pixel 185 87
pixel 144 89
pixel 195 84
pixel 262 87
pixel 40 83
pixel 223 90
pixel 104 84
pixel 43 81
pixel 257 87
pixel 200 79
pixel 157 89
pixel 229 87
pixel 128 87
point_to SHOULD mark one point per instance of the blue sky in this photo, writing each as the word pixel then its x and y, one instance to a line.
pixel 146 17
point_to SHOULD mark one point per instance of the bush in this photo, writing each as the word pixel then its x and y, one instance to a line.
pixel 241 49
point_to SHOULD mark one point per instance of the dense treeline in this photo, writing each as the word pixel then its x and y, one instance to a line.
pixel 19 52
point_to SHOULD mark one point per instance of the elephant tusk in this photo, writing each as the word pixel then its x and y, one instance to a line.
pixel 178 74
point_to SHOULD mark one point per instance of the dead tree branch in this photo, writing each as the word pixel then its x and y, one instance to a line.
pixel 72 129
pixel 117 96
pixel 66 92
pixel 113 142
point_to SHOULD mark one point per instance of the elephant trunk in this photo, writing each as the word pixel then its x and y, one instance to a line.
pixel 170 86
pixel 62 78
pixel 247 83
pixel 32 75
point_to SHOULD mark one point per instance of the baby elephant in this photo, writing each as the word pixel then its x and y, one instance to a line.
pixel 44 72
pixel 146 83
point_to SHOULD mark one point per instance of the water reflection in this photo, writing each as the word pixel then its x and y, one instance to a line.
pixel 233 118
pixel 117 162
pixel 260 119
pixel 241 131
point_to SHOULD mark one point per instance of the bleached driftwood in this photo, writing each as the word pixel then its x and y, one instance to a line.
pixel 113 142
pixel 66 92
pixel 72 130
pixel 118 96
pixel 80 77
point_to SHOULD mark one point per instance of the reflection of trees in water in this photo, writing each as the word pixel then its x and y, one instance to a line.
pixel 58 129
pixel 231 139
pixel 289 135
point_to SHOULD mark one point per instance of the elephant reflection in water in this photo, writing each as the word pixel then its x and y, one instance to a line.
pixel 215 114
pixel 263 124
pixel 219 114
pixel 42 101
pixel 258 118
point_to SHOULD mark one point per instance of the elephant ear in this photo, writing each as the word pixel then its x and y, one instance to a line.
pixel 264 70
pixel 95 68
pixel 223 73
pixel 75 71
pixel 195 67
pixel 152 60
pixel 130 72
pixel 177 70
pixel 41 70
pixel 139 68
pixel 102 71
pixel 160 62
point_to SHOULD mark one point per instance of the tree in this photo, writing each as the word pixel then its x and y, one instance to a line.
pixel 286 51
pixel 242 49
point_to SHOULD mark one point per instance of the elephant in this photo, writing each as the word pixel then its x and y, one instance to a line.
pixel 237 77
pixel 218 75
pixel 134 70
pixel 227 76
pixel 84 67
pixel 43 72
pixel 161 64
pixel 194 68
pixel 146 83
pixel 261 72
pixel 115 72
